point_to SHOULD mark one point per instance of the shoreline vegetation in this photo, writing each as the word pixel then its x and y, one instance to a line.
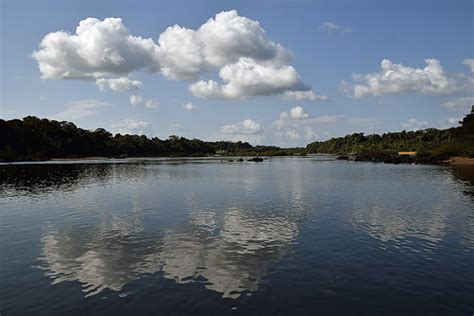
pixel 35 139
pixel 428 146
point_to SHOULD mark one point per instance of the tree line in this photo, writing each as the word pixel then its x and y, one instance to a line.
pixel 448 142
pixel 33 138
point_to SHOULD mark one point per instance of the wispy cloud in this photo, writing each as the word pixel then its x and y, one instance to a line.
pixel 330 26
pixel 464 103
pixel 76 110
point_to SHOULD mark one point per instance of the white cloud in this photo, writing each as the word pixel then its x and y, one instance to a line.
pixel 105 48
pixel 190 107
pixel 329 26
pixel 308 95
pixel 186 53
pixel 292 134
pixel 310 133
pixel 132 127
pixel 250 64
pixel 286 118
pixel 97 49
pixel 414 125
pixel 118 84
pixel 246 127
pixel 396 78
pixel 248 78
pixel 152 104
pixel 76 110
pixel 464 103
pixel 298 113
pixel 470 63
pixel 135 100
pixel 296 117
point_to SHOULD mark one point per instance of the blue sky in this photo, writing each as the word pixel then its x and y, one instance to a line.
pixel 286 80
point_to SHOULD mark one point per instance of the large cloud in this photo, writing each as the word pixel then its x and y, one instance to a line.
pixel 97 49
pixel 396 78
pixel 248 78
pixel 250 64
pixel 185 53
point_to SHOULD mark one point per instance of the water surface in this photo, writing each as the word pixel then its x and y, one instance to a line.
pixel 202 236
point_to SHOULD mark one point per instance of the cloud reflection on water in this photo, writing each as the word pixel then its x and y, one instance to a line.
pixel 231 252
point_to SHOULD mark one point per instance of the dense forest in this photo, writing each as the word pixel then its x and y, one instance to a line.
pixel 38 139
pixel 447 142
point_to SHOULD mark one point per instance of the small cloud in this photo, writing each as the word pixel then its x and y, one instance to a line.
pixel 246 127
pixel 470 63
pixel 292 134
pixel 132 127
pixel 76 110
pixel 152 104
pixel 135 100
pixel 190 107
pixel 414 125
pixel 310 133
pixel 329 26
pixel 295 113
pixel 309 95
pixel 464 103
pixel 118 84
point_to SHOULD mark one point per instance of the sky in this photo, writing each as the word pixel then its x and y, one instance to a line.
pixel 280 73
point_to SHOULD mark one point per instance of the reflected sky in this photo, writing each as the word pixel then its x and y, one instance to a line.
pixel 236 231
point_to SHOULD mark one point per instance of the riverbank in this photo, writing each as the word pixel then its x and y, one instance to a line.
pixel 465 161
pixel 407 158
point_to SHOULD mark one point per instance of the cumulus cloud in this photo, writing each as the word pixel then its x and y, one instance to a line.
pixel 250 64
pixel 298 113
pixel 186 53
pixel 246 127
pixel 97 49
pixel 190 107
pixel 152 104
pixel 248 78
pixel 308 95
pixel 470 63
pixel 396 78
pixel 329 26
pixel 135 100
pixel 414 125
pixel 118 84
pixel 286 118
pixel 464 103
pixel 132 127
pixel 76 110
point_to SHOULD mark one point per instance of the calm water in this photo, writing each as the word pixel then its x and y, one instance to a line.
pixel 285 236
